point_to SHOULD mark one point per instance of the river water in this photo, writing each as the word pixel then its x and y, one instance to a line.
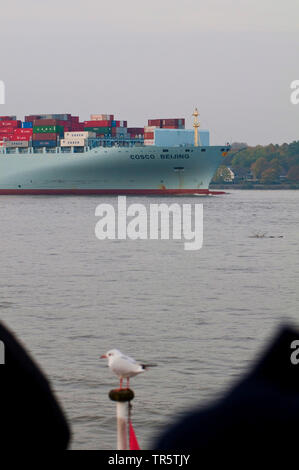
pixel 202 316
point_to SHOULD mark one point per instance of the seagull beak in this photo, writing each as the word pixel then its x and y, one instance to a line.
pixel 103 356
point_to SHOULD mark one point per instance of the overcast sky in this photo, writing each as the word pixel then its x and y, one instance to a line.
pixel 233 59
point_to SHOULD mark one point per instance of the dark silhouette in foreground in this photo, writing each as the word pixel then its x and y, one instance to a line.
pixel 31 418
pixel 258 417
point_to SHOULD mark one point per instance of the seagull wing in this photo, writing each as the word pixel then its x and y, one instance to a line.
pixel 129 359
pixel 124 367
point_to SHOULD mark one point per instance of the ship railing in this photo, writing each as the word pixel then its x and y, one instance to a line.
pixel 118 142
pixel 102 142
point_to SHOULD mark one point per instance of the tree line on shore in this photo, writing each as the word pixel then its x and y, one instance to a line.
pixel 270 164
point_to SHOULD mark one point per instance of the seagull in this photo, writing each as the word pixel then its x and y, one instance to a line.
pixel 124 366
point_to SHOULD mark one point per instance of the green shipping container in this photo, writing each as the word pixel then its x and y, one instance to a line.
pixel 99 130
pixel 60 130
pixel 48 129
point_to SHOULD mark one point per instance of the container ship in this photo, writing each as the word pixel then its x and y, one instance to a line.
pixel 58 154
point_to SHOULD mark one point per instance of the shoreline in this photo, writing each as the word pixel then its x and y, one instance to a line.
pixel 254 186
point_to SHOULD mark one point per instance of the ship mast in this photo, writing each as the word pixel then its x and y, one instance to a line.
pixel 196 126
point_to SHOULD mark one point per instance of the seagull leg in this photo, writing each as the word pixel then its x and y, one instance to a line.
pixel 128 381
pixel 120 384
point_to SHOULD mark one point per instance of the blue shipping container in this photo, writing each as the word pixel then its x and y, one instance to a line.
pixel 177 137
pixel 44 143
pixel 27 125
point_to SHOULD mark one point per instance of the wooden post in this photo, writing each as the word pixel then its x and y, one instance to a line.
pixel 122 398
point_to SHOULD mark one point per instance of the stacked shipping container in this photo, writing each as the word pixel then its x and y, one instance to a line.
pixel 67 121
pixel 149 130
pixel 50 130
pixel 104 125
pixel 46 132
pixel 167 123
pixel 136 132
pixel 78 139
pixel 8 118
pixel 11 132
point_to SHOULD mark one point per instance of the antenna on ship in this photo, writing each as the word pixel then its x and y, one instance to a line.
pixel 196 126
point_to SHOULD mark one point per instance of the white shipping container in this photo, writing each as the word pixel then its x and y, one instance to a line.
pixel 97 117
pixel 79 135
pixel 16 143
pixel 101 117
pixel 149 128
pixel 72 142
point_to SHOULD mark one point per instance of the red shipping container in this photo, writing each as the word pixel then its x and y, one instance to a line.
pixel 31 118
pixel 136 130
pixel 173 122
pixel 21 137
pixel 7 118
pixel 169 122
pixel 155 122
pixel 149 135
pixel 98 123
pixel 45 122
pixel 7 137
pixel 77 126
pixel 10 124
pixel 45 136
pixel 19 131
pixel 7 130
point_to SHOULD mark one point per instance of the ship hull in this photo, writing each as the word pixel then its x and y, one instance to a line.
pixel 94 192
pixel 133 170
